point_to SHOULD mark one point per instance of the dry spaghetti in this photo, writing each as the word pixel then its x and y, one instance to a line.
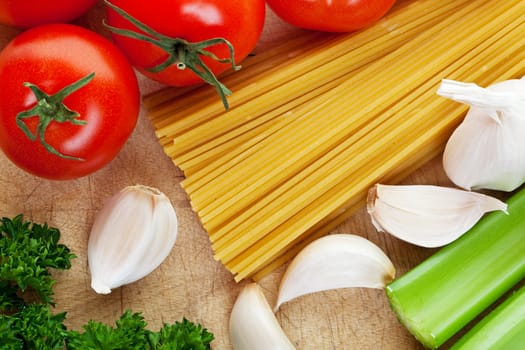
pixel 304 140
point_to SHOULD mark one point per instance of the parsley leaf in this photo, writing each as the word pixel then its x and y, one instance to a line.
pixel 27 251
pixel 183 335
pixel 9 334
pixel 129 333
pixel 39 328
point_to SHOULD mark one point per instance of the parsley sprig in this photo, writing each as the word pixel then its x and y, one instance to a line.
pixel 27 252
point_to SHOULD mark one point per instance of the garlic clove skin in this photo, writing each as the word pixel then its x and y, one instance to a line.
pixel 427 216
pixel 332 262
pixel 131 235
pixel 253 325
pixel 487 150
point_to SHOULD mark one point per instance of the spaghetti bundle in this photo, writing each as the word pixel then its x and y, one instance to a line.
pixel 301 146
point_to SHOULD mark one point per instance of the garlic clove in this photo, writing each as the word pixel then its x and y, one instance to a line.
pixel 253 325
pixel 131 235
pixel 487 150
pixel 428 216
pixel 335 261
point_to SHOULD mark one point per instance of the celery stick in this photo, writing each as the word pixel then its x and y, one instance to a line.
pixel 502 329
pixel 445 292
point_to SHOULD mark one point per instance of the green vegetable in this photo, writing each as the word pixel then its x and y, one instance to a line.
pixel 130 333
pixel 183 335
pixel 27 252
pixel 502 329
pixel 33 327
pixel 448 290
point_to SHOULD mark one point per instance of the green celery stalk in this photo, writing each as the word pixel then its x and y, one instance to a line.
pixel 448 290
pixel 502 329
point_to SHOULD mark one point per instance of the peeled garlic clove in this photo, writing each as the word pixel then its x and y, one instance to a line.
pixel 131 235
pixel 253 325
pixel 335 261
pixel 487 150
pixel 428 216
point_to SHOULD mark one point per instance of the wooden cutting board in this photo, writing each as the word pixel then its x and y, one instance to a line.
pixel 190 282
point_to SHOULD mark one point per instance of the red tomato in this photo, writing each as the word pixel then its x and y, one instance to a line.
pixel 238 21
pixel 331 15
pixel 53 57
pixel 30 13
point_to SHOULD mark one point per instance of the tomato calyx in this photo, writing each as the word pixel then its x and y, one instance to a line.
pixel 182 53
pixel 51 108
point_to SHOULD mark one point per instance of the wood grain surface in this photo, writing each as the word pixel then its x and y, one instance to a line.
pixel 190 282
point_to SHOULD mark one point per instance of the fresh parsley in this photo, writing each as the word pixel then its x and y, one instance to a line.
pixel 27 253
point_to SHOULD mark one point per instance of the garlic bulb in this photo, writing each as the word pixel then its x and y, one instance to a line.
pixel 130 237
pixel 428 216
pixel 487 150
pixel 335 261
pixel 253 325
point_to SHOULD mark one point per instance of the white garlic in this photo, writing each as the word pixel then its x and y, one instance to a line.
pixel 253 325
pixel 428 216
pixel 335 261
pixel 487 150
pixel 131 235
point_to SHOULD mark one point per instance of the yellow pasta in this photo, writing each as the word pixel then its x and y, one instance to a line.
pixel 374 169
pixel 434 134
pixel 291 161
pixel 508 69
pixel 272 165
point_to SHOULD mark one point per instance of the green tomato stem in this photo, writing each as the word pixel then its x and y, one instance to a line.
pixel 182 53
pixel 448 290
pixel 51 108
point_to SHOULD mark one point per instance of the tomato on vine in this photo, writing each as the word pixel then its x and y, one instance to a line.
pixel 186 42
pixel 331 15
pixel 25 14
pixel 69 101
